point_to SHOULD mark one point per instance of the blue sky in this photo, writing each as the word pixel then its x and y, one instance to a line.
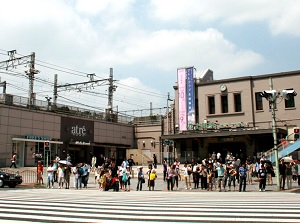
pixel 145 42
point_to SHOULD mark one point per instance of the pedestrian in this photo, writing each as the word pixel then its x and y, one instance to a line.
pixel 170 177
pixel 261 175
pixel 165 168
pixel 289 175
pixel 269 171
pixel 154 161
pixel 153 176
pixel 203 177
pixel 60 176
pixel 120 175
pixel 68 158
pixel 78 172
pixel 220 172
pixel 282 173
pixel 233 173
pixel 102 180
pixel 127 182
pixel 141 178
pixel 40 171
pixel 150 167
pixel 298 175
pixel 250 171
pixel 227 174
pixel 67 172
pixel 85 175
pixel 243 176
pixel 187 170
pixel 50 181
pixel 177 168
pixel 130 162
pixel 55 168
pixel 13 160
pixel 210 176
pixel 196 175
pixel 294 171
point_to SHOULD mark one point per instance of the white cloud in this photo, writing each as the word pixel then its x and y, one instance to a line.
pixel 167 50
pixel 281 16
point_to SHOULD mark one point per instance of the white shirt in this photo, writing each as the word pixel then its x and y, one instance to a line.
pixel 60 172
pixel 50 171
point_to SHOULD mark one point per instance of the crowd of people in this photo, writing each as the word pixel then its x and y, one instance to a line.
pixel 231 175
pixel 208 174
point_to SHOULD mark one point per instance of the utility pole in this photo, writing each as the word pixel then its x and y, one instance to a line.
pixel 274 131
pixel 3 84
pixel 111 90
pixel 168 99
pixel 272 96
pixel 55 91
pixel 168 144
pixel 32 71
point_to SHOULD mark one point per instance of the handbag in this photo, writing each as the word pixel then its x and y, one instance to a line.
pixel 143 180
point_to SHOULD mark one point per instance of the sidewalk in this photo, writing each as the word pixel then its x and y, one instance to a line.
pixel 160 185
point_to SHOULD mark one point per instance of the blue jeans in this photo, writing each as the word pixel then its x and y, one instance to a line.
pixel 78 182
pixel 242 181
pixel 139 185
pixel 170 183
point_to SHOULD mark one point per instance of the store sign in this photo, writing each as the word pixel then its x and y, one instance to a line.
pixel 83 143
pixel 44 138
pixel 77 130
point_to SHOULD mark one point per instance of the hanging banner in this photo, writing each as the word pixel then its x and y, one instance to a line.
pixel 190 94
pixel 181 80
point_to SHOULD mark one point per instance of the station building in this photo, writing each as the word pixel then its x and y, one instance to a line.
pixel 81 134
pixel 229 115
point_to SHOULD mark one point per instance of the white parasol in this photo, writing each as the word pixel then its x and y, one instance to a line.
pixel 66 162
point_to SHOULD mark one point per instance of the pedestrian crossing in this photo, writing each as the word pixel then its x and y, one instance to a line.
pixel 52 205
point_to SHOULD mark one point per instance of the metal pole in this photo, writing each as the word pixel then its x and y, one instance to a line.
pixel 275 143
pixel 273 102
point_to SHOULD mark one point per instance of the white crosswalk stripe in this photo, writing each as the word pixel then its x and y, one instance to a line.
pixel 52 205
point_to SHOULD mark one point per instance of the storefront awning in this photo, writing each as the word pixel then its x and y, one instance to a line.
pixel 35 140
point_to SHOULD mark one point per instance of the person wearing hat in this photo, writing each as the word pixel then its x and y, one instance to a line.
pixel 141 179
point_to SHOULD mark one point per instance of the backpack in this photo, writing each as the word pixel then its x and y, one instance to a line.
pixel 80 171
pixel 124 177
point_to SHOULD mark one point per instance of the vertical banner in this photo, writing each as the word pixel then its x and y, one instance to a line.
pixel 190 94
pixel 181 80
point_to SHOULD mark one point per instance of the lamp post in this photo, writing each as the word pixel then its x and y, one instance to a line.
pixel 272 96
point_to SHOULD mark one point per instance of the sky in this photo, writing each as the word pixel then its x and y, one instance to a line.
pixel 145 42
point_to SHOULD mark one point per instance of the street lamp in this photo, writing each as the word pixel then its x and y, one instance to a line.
pixel 272 96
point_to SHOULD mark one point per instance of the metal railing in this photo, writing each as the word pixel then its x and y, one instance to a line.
pixel 28 176
pixel 283 145
pixel 19 101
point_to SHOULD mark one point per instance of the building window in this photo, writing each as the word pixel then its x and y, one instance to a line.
pixel 237 103
pixel 258 101
pixel 291 102
pixel 224 103
pixel 211 105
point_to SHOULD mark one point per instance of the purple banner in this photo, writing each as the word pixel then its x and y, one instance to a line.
pixel 190 94
pixel 181 80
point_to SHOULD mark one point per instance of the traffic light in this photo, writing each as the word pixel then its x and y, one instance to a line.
pixel 296 133
pixel 47 146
